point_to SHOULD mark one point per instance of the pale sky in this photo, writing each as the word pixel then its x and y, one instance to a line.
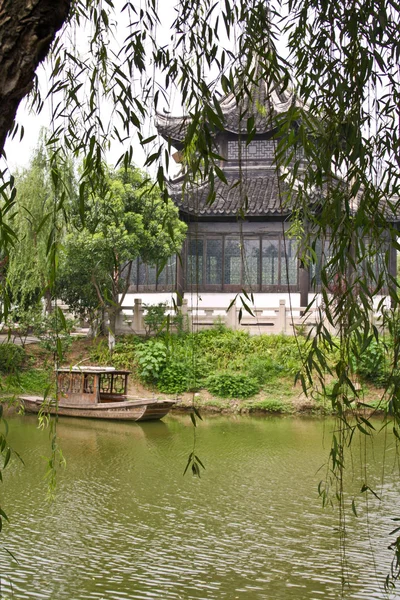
pixel 19 152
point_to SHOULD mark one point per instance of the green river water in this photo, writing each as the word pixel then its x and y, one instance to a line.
pixel 126 524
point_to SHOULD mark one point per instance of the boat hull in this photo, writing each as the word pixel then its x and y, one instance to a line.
pixel 129 410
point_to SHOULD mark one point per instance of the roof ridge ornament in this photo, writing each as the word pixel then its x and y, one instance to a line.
pixel 255 96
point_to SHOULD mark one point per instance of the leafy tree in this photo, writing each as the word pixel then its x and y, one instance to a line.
pixel 74 284
pixel 32 220
pixel 130 220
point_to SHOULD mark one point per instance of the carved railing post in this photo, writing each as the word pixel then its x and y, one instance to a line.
pixel 282 316
pixel 231 318
pixel 187 315
pixel 138 324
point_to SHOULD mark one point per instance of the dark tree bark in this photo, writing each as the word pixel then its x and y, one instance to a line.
pixel 27 29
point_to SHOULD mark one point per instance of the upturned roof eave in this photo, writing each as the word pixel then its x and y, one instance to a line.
pixel 178 141
pixel 173 129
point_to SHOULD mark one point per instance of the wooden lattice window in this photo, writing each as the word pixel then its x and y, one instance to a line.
pixel 88 384
pixel 106 383
pixel 76 383
pixel 119 384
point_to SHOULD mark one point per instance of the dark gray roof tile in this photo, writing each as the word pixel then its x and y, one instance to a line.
pixel 258 196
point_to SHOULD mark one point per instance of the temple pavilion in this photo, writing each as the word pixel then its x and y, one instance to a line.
pixel 239 240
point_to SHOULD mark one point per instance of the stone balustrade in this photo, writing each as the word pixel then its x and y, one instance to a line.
pixel 281 319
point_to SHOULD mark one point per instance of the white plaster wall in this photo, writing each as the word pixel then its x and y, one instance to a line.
pixel 214 300
pixel 149 298
pixel 377 300
pixel 261 300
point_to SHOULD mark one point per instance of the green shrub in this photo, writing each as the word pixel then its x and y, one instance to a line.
pixel 222 348
pixel 174 379
pixel 155 317
pixel 232 385
pixel 285 350
pixel 124 354
pixel 151 358
pixel 35 381
pixel 184 360
pixel 11 357
pixel 182 374
pixel 371 363
pixel 263 369
pixel 180 323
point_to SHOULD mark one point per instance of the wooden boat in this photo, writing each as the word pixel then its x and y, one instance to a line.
pixel 97 393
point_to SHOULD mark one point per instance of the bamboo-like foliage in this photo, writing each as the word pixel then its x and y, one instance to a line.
pixel 343 61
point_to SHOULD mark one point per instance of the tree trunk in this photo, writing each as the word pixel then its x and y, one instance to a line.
pixel 112 318
pixel 47 300
pixel 27 29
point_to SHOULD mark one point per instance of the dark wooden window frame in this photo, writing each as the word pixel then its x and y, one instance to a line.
pixel 234 288
pixel 315 271
pixel 148 288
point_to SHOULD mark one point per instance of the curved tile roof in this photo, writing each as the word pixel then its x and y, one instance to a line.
pixel 265 102
pixel 261 98
pixel 251 194
pixel 172 129
pixel 259 195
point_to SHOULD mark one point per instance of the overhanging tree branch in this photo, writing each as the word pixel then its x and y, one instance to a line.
pixel 27 29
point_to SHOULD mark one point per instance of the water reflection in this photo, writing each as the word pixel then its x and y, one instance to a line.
pixel 127 524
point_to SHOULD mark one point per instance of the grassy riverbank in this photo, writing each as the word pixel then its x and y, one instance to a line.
pixel 218 370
